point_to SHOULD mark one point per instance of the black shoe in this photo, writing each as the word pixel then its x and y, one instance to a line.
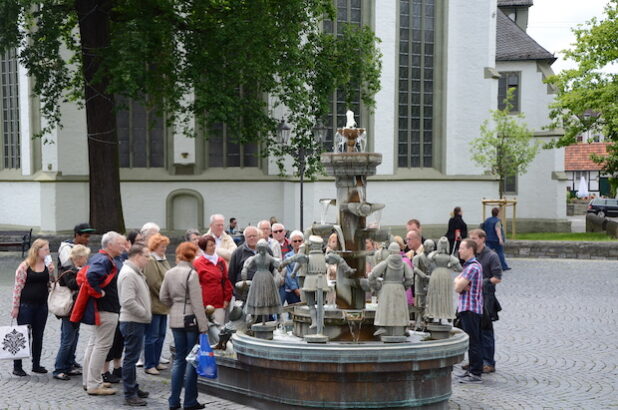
pixel 195 407
pixel 39 369
pixel 135 401
pixel 174 407
pixel 110 378
pixel 117 372
pixel 62 376
pixel 142 394
pixel 76 366
pixel 19 372
pixel 74 372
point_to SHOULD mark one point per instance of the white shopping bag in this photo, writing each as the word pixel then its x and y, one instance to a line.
pixel 14 342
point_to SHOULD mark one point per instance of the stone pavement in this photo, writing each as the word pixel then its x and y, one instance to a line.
pixel 556 348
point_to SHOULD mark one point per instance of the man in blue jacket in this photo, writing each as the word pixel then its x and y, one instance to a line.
pixel 495 236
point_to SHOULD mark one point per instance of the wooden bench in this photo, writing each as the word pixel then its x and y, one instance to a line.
pixel 16 239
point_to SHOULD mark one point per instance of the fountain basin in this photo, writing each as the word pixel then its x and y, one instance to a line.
pixel 288 372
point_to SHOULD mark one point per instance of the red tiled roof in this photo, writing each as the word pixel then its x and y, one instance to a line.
pixel 577 157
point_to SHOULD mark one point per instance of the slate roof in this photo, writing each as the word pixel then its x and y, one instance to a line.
pixel 514 44
pixel 511 3
pixel 577 157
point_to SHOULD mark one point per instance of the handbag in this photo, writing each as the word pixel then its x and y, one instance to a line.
pixel 15 342
pixel 60 299
pixel 190 321
pixel 206 364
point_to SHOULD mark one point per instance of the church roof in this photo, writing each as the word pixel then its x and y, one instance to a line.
pixel 511 3
pixel 514 44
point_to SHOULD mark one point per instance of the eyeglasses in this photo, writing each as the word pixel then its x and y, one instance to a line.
pixel 278 231
pixel 297 240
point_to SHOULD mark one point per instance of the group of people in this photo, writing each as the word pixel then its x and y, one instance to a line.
pixel 129 293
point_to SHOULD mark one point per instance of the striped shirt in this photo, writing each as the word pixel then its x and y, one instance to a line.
pixel 472 300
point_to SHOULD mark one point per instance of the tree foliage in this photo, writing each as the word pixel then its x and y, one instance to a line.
pixel 505 147
pixel 199 62
pixel 587 97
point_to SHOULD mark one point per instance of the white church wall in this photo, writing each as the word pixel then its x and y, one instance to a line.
pixel 19 204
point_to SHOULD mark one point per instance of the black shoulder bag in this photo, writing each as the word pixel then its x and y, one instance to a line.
pixel 190 321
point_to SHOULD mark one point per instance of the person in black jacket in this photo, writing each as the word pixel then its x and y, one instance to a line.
pixel 69 331
pixel 457 230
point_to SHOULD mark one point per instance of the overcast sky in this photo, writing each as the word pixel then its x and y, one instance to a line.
pixel 550 21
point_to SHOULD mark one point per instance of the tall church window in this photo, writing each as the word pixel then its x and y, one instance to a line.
pixel 225 152
pixel 9 114
pixel 508 80
pixel 141 134
pixel 415 131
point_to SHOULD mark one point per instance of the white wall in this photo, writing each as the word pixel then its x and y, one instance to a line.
pixel 19 204
pixel 469 96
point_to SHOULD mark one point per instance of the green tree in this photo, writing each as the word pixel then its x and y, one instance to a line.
pixel 505 147
pixel 208 60
pixel 587 98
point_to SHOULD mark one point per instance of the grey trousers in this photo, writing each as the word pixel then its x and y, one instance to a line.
pixel 99 344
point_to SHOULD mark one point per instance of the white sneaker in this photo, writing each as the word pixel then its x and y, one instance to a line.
pixel 140 363
pixel 164 361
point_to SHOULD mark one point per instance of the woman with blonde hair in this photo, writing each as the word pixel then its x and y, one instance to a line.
pixel 69 331
pixel 155 331
pixel 181 292
pixel 32 280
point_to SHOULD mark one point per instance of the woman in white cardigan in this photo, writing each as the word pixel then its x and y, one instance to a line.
pixel 182 292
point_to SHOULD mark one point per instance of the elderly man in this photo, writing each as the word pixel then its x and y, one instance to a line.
pixel 149 229
pixel 274 246
pixel 225 244
pixel 102 279
pixel 279 236
pixel 414 225
pixel 414 244
pixel 240 256
pixel 492 275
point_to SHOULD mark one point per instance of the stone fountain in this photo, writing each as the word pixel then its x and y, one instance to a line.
pixel 350 367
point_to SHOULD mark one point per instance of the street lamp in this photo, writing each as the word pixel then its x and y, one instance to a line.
pixel 319 133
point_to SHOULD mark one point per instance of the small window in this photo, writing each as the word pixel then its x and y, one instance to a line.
pixel 507 81
pixel 510 185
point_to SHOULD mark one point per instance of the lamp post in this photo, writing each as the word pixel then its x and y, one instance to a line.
pixel 319 135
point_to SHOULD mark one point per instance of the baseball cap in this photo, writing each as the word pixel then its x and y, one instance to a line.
pixel 83 228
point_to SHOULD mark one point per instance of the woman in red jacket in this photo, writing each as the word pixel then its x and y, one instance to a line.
pixel 212 271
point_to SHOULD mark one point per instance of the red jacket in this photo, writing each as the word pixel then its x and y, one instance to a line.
pixel 216 287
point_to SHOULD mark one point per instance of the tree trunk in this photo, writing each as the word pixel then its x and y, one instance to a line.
pixel 105 201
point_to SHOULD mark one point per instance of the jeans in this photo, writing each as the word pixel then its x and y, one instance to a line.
pixel 488 344
pixel 499 249
pixel 471 324
pixel 36 317
pixel 99 344
pixel 69 335
pixel 183 374
pixel 133 334
pixel 153 340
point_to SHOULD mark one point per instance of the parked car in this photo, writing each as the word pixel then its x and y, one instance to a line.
pixel 603 207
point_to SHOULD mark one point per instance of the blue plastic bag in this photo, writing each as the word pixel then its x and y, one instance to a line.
pixel 207 365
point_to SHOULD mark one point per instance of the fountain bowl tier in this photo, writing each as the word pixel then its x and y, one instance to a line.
pixel 350 163
pixel 290 373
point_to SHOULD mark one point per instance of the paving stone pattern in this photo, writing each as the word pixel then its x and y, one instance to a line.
pixel 556 348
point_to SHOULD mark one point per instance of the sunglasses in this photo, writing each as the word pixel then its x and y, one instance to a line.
pixel 297 240
pixel 278 231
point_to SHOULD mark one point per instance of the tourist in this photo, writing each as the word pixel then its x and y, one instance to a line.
pixel 101 282
pixel 492 275
pixel 469 286
pixel 212 273
pixel 32 280
pixel 274 246
pixel 149 229
pixel 135 315
pixel 232 229
pixel 181 292
pixel 240 255
pixel 457 230
pixel 69 331
pixel 414 225
pixel 225 244
pixel 495 236
pixel 81 236
pixel 290 290
pixel 192 235
pixel 279 235
pixel 154 272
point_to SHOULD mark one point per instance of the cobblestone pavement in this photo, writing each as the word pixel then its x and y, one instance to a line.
pixel 556 348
